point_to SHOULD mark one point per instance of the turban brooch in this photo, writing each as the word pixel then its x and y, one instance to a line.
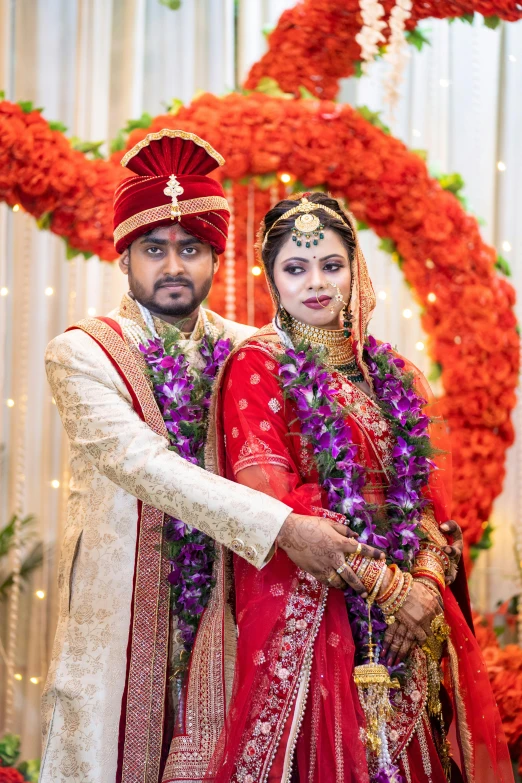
pixel 171 186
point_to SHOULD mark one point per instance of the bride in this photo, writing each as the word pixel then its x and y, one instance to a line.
pixel 292 680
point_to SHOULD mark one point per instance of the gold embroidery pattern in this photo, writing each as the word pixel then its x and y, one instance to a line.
pixel 172 134
pixel 190 753
pixel 149 639
pixel 153 215
pixel 209 223
pixel 256 452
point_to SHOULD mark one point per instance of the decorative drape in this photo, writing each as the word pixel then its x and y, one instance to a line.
pixel 94 64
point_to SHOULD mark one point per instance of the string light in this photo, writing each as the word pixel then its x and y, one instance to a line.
pixel 16 207
pixel 419 346
pixel 34 680
pixel 49 291
pixel 407 313
pixel 256 271
pixel 501 166
pixel 457 339
pixel 55 484
pixel 506 246
pixel 430 264
pixel 382 295
pixel 18 676
pixel 4 291
pixel 286 178
pixel 91 311
pixel 431 297
pixel 40 594
pixel 10 403
pixel 416 133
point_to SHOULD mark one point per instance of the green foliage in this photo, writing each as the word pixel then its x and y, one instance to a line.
pixel 44 221
pixel 492 22
pixel 503 266
pixel 30 770
pixel 435 372
pixel 173 5
pixel 469 18
pixel 358 69
pixel 373 117
pixel 265 181
pixel 32 561
pixel 269 86
pixel 417 38
pixel 118 143
pixel 362 226
pixel 307 95
pixel 57 126
pixel 486 542
pixel 174 106
pixel 451 182
pixel 388 245
pixel 2 95
pixel 422 154
pixel 71 252
pixel 9 750
pixel 27 107
pixel 90 149
pixel 145 121
pixel 267 30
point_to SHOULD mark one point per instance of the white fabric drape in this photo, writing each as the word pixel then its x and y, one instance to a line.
pixel 93 64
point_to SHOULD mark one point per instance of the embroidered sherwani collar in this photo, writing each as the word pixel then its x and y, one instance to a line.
pixel 130 311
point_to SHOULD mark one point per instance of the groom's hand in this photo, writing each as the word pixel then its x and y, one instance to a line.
pixel 320 546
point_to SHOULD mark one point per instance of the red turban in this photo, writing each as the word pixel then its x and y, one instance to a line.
pixel 171 186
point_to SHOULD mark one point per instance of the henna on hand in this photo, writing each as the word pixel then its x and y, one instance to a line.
pixel 453 550
pixel 320 546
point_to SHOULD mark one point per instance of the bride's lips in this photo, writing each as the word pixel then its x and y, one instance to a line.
pixel 318 304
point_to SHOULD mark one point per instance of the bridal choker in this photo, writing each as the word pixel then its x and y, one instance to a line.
pixel 338 347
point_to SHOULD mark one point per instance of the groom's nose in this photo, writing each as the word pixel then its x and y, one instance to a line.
pixel 173 263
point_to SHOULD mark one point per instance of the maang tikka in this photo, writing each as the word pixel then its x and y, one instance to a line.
pixel 306 226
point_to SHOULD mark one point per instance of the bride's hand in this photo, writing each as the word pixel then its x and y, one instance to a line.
pixel 412 624
pixel 320 546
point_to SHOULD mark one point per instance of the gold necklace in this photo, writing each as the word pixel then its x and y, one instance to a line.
pixel 338 346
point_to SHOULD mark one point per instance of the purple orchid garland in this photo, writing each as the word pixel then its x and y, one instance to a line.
pixel 305 380
pixel 183 395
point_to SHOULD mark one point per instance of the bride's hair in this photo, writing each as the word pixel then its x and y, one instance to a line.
pixel 269 246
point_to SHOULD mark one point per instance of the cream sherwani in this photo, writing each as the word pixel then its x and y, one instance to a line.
pixel 115 459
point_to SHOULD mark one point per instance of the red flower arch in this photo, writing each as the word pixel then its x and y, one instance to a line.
pixel 470 321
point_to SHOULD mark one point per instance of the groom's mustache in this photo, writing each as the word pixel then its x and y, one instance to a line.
pixel 174 281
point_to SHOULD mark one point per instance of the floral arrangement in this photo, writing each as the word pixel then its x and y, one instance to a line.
pixel 504 665
pixel 468 306
pixel 9 757
pixel 305 381
pixel 315 43
pixel 183 395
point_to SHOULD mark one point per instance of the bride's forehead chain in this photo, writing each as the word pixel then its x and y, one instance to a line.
pixel 307 226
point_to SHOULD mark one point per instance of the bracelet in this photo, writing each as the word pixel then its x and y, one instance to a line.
pixel 401 599
pixel 431 527
pixel 398 586
pixel 435 579
pixel 427 561
pixel 372 574
pixel 427 582
pixel 391 587
pixel 435 551
pixel 375 592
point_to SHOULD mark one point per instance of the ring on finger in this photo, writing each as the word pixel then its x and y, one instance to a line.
pixel 340 569
pixel 359 549
pixel 329 579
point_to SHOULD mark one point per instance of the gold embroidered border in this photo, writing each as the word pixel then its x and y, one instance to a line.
pixel 462 719
pixel 163 212
pixel 149 638
pixel 172 134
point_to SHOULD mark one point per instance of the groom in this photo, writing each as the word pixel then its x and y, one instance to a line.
pixel 104 700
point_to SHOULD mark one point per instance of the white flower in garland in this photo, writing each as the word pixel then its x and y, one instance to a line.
pixel 370 35
pixel 396 51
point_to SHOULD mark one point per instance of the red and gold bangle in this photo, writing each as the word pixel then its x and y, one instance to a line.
pixel 427 561
pixel 390 601
pixel 372 573
pixel 401 599
pixel 391 587
pixel 435 551
pixel 375 592
pixel 436 579
pixel 354 561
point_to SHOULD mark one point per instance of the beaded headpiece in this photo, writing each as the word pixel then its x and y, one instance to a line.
pixel 306 225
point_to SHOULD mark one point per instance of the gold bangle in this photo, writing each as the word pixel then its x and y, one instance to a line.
pixel 375 592
pixel 395 594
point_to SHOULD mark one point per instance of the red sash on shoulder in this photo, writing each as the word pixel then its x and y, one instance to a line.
pixel 143 704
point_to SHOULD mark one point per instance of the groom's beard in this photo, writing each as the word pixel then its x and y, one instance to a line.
pixel 174 304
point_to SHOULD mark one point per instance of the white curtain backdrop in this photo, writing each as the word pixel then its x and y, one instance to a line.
pixel 93 64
